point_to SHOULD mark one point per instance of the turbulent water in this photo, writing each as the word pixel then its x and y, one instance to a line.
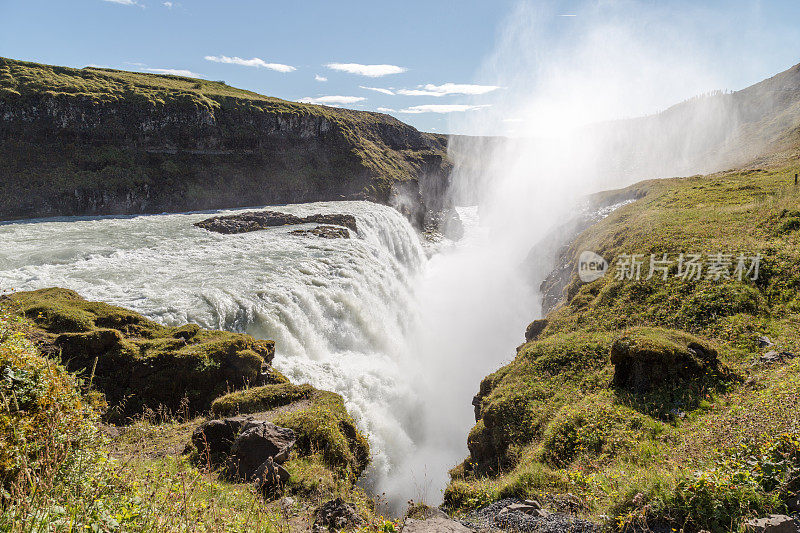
pixel 365 317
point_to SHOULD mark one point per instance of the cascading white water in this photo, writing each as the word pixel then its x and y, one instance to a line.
pixel 404 339
pixel 340 310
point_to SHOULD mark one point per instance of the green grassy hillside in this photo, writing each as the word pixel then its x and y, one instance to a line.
pixel 707 432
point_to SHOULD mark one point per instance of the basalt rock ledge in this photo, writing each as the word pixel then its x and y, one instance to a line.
pixel 98 141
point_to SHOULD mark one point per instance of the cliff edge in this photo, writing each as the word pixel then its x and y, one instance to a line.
pixel 98 141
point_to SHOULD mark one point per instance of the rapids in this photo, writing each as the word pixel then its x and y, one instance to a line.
pixel 364 317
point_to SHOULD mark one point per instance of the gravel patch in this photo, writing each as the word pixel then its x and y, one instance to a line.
pixel 490 519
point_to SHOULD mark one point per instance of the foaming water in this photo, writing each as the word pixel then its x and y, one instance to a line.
pixel 403 338
pixel 339 309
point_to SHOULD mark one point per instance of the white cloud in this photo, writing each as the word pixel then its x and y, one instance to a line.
pixel 317 77
pixel 372 71
pixel 254 62
pixel 447 108
pixel 386 110
pixel 331 100
pixel 168 5
pixel 448 88
pixel 123 2
pixel 513 120
pixel 379 90
pixel 174 72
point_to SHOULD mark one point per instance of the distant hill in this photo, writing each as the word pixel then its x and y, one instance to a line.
pixel 99 141
pixel 756 125
pixel 753 127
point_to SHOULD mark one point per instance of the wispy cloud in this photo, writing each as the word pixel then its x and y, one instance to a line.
pixel 168 5
pixel 446 108
pixel 331 100
pixel 568 15
pixel 122 2
pixel 372 71
pixel 448 88
pixel 174 72
pixel 386 110
pixel 254 62
pixel 378 90
pixel 317 77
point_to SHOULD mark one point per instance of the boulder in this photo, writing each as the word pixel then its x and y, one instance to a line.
pixel 213 440
pixel 270 477
pixel 771 524
pixel 764 342
pixel 258 220
pixel 335 515
pixel 324 232
pixel 243 444
pixel 644 358
pixel 535 329
pixel 258 441
pixel 773 356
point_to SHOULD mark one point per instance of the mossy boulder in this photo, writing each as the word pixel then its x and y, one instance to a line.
pixel 318 418
pixel 259 399
pixel 139 363
pixel 647 358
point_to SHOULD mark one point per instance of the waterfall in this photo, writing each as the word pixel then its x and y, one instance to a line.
pixel 339 310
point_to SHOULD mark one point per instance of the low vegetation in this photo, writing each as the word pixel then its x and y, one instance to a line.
pixel 62 469
pixel 137 363
pixel 649 399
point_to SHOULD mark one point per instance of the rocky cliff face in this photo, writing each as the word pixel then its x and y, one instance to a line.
pixel 94 141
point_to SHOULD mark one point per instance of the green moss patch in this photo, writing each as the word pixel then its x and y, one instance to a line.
pixel 319 418
pixel 136 362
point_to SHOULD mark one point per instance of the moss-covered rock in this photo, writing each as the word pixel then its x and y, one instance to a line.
pixel 647 358
pixel 139 363
pixel 516 402
pixel 258 399
pixel 318 418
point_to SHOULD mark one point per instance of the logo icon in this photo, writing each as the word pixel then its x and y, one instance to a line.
pixel 591 266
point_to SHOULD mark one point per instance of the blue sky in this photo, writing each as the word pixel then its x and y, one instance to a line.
pixel 427 57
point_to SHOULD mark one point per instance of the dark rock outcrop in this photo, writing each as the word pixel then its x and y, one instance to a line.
pixel 535 329
pixel 324 232
pixel 258 441
pixel 335 515
pixel 213 440
pixel 647 358
pixel 258 220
